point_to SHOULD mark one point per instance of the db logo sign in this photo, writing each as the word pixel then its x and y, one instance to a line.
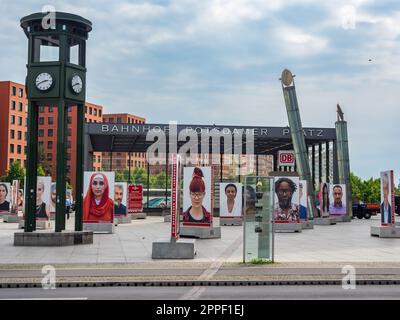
pixel 286 158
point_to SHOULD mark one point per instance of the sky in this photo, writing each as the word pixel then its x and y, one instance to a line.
pixel 219 61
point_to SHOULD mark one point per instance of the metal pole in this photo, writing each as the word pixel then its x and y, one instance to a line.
pixel 60 167
pixel 31 169
pixel 327 165
pixel 79 168
pixel 320 162
pixel 313 165
pixel 129 167
pixel 220 167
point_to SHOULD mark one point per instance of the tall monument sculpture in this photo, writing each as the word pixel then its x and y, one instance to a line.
pixel 299 143
pixel 342 144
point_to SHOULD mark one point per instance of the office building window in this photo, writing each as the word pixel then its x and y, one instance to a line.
pixel 119 120
pixel 41 120
pixel 20 121
pixel 12 134
pixel 49 156
pixel 11 161
pixel 41 109
pixel 25 136
pixel 20 106
pixel 12 119
pixel 20 93
pixel 41 133
pixel 99 113
pixel 40 143
pixel 19 135
pixel 50 120
pixel 90 110
pixel 50 132
pixel 50 109
pixel 69 120
pixel 13 105
pixel 49 144
pixel 11 148
pixel 19 149
pixel 111 120
pixel 14 91
pixel 95 111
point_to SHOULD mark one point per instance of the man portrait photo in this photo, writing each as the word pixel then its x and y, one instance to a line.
pixel 338 205
pixel 285 208
pixel 386 208
pixel 119 207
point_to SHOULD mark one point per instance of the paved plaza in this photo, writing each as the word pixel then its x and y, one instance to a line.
pixel 132 243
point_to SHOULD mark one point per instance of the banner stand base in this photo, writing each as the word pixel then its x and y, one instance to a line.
pixel 287 227
pixel 12 219
pixel 99 227
pixel 385 232
pixel 40 224
pixel 230 221
pixel 52 239
pixel 170 249
pixel 122 219
pixel 200 232
pixel 307 224
pixel 324 221
pixel 342 218
pixel 135 216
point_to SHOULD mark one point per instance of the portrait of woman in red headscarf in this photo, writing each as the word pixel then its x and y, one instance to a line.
pixel 197 213
pixel 97 205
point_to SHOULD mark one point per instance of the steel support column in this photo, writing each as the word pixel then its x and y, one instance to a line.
pixel 79 168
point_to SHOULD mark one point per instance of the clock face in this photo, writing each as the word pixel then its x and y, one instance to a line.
pixel 77 84
pixel 44 81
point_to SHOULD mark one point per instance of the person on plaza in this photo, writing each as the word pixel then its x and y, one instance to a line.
pixel 4 204
pixel 97 205
pixel 337 207
pixel 324 200
pixel 119 208
pixel 231 204
pixel 68 204
pixel 285 210
pixel 302 209
pixel 197 213
pixel 42 209
pixel 386 209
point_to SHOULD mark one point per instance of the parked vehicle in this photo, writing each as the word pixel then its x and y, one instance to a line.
pixel 365 210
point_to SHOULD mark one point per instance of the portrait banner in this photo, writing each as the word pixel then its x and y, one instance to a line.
pixel 287 200
pixel 337 200
pixel 135 198
pixel 324 199
pixel 230 200
pixel 98 203
pixel 5 197
pixel 53 197
pixel 387 198
pixel 197 196
pixel 120 198
pixel 303 196
pixel 43 198
pixel 14 197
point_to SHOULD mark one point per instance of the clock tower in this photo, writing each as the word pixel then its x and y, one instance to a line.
pixel 56 76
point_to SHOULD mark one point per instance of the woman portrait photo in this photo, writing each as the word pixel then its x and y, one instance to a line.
pixel 324 200
pixel 230 199
pixel 42 208
pixel 4 204
pixel 20 199
pixel 198 211
pixel 97 204
pixel 250 198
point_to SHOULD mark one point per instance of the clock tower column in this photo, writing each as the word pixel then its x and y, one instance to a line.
pixel 56 77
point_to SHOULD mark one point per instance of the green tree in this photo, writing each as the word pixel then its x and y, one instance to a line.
pixel 40 171
pixel 16 172
pixel 42 161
